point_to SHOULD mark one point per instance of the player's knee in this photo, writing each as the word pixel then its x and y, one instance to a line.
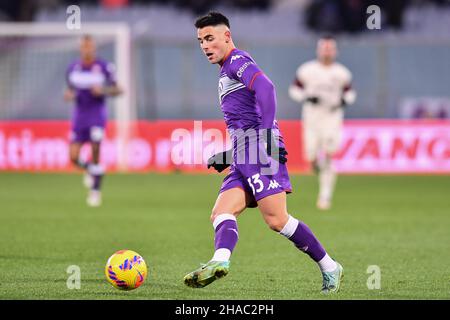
pixel 217 212
pixel 276 224
pixel 214 215
pixel 276 221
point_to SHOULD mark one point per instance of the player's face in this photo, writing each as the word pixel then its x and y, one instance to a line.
pixel 214 41
pixel 87 50
pixel 326 50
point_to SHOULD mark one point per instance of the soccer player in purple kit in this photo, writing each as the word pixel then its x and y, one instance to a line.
pixel 89 81
pixel 248 102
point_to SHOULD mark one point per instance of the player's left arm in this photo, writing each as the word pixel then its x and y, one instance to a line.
pixel 297 90
pixel 110 91
pixel 348 93
pixel 111 88
pixel 248 73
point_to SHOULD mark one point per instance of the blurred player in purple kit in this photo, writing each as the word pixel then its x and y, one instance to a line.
pixel 89 81
pixel 248 102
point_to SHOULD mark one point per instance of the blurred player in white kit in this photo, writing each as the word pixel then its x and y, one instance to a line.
pixel 324 87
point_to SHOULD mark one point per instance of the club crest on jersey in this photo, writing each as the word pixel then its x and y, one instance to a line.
pixel 235 57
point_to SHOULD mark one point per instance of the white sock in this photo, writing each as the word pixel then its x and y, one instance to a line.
pixel 327 181
pixel 326 264
pixel 222 254
pixel 290 227
pixel 96 169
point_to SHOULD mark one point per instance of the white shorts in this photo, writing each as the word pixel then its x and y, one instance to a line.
pixel 321 140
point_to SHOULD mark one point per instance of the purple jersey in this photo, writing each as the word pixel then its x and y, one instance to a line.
pixel 89 110
pixel 239 104
pixel 247 108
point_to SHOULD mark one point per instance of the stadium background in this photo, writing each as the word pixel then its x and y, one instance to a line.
pixel 399 124
pixel 401 71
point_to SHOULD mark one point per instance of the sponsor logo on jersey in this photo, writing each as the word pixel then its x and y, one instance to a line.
pixel 86 79
pixel 242 68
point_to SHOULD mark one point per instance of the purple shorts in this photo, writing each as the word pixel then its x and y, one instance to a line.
pixel 253 180
pixel 87 134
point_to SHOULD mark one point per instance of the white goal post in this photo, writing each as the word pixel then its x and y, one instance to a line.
pixel 124 105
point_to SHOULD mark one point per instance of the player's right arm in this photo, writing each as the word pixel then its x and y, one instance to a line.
pixel 297 88
pixel 69 92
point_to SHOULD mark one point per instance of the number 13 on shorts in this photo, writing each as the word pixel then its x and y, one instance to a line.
pixel 256 182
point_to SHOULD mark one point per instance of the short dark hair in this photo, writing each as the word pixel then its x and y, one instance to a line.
pixel 327 36
pixel 213 18
pixel 87 37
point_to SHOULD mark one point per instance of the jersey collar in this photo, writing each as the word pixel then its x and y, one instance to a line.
pixel 227 56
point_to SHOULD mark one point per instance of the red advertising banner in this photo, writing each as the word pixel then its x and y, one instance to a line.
pixel 393 146
pixel 386 146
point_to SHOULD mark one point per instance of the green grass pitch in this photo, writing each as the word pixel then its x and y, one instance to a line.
pixel 399 223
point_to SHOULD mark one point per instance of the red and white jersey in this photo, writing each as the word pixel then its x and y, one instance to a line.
pixel 330 84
